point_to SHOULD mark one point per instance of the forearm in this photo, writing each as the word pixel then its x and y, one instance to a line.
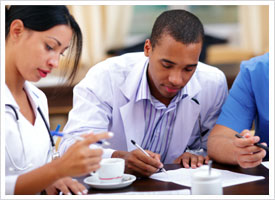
pixel 220 146
pixel 36 180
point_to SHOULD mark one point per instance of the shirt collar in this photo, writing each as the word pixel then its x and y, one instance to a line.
pixel 144 93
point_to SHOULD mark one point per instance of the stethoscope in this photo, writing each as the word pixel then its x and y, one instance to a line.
pixel 55 154
pixel 199 150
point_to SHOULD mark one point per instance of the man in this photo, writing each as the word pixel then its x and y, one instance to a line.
pixel 248 100
pixel 163 99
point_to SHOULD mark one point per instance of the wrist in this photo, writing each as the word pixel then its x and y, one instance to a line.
pixel 56 168
pixel 119 154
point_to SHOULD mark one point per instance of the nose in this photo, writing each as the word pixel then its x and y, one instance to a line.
pixel 53 61
pixel 176 78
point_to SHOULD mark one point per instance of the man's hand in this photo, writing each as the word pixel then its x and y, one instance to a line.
pixel 247 154
pixel 187 159
pixel 65 185
pixel 136 162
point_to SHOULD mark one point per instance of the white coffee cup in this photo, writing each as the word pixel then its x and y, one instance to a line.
pixel 203 183
pixel 111 170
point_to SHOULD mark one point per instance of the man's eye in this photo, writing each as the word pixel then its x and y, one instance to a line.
pixel 166 66
pixel 188 69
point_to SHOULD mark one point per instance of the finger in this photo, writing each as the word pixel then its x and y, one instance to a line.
pixel 94 161
pixel 154 155
pixel 249 150
pixel 252 157
pixel 245 142
pixel 73 185
pixel 194 161
pixel 186 160
pixel 207 158
pixel 146 160
pixel 92 138
pixel 77 188
pixel 138 162
pixel 63 188
pixel 250 164
pixel 200 161
pixel 82 188
pixel 94 152
pixel 245 133
pixel 51 190
pixel 136 170
pixel 177 161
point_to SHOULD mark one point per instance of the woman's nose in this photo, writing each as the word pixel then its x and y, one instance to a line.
pixel 53 61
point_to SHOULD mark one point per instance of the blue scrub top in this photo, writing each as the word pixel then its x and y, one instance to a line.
pixel 248 99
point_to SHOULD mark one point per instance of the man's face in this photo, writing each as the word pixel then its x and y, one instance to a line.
pixel 171 66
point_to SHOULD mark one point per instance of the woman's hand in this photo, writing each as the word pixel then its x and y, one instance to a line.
pixel 66 185
pixel 80 159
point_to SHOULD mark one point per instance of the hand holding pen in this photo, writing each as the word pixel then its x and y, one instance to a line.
pixel 248 151
pixel 143 151
pixel 256 144
pixel 80 159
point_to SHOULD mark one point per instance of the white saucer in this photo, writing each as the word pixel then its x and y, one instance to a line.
pixel 127 179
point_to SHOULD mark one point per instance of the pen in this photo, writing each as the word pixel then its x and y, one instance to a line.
pixel 256 144
pixel 77 137
pixel 140 148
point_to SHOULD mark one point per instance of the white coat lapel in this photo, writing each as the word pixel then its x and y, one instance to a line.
pixel 132 113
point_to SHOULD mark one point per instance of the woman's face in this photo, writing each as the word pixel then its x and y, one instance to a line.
pixel 37 53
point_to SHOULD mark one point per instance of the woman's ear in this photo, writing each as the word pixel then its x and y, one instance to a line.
pixel 16 29
pixel 147 47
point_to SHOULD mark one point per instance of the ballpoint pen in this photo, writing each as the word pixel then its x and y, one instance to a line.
pixel 77 137
pixel 140 148
pixel 256 144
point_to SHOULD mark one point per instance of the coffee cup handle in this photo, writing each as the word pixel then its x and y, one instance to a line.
pixel 94 174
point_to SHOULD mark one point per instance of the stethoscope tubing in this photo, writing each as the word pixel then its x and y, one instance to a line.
pixel 18 121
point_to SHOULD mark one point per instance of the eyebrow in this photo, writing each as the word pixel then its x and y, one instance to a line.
pixel 173 63
pixel 168 61
pixel 59 43
pixel 192 65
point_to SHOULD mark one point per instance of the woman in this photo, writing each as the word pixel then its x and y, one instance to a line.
pixel 36 37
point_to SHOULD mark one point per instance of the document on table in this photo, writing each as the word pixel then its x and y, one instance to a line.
pixel 183 177
pixel 166 192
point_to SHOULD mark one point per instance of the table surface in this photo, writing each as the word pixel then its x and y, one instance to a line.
pixel 260 187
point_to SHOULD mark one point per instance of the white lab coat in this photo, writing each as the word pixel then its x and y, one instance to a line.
pixel 35 137
pixel 105 101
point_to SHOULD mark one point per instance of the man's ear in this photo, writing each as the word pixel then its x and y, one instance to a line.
pixel 147 48
pixel 16 29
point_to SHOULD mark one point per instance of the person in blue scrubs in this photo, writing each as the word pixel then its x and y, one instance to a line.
pixel 248 101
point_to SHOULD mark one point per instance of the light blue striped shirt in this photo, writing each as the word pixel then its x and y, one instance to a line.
pixel 159 119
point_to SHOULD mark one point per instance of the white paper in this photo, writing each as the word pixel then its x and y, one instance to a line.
pixel 166 192
pixel 266 164
pixel 183 177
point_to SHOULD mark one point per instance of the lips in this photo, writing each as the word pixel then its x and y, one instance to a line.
pixel 171 89
pixel 43 73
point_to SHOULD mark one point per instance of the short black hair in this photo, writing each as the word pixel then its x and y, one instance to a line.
pixel 182 25
pixel 44 17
